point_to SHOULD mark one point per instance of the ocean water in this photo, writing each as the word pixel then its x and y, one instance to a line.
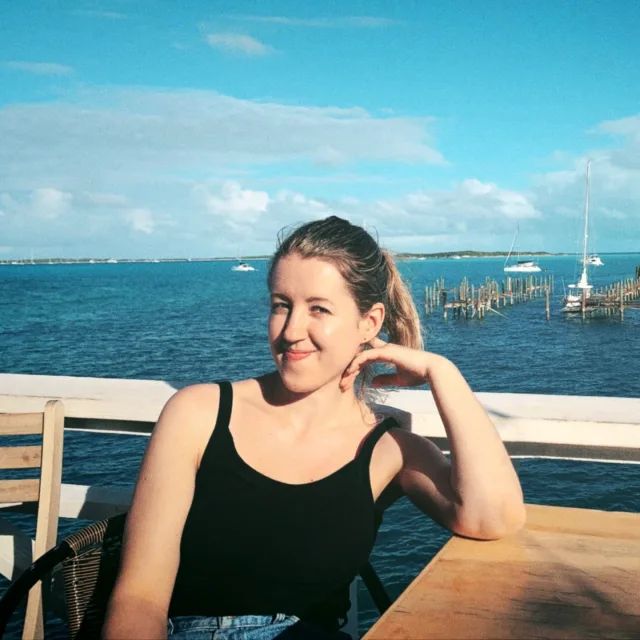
pixel 191 322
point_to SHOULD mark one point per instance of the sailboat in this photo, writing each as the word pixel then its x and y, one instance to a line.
pixel 242 266
pixel 521 266
pixel 594 260
pixel 573 300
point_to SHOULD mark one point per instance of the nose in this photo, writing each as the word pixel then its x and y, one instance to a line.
pixel 295 328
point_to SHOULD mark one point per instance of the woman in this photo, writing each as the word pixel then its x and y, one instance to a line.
pixel 257 503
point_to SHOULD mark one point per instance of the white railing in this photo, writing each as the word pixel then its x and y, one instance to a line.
pixel 530 425
pixel 569 427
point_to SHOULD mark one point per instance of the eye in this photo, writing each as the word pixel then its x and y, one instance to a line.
pixel 318 309
pixel 279 307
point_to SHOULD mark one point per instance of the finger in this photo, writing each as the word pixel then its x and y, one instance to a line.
pixel 348 379
pixel 348 384
pixel 362 359
pixel 388 353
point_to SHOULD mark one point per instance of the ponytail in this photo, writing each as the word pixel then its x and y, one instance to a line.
pixel 402 322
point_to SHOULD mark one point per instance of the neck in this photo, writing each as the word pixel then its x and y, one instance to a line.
pixel 323 408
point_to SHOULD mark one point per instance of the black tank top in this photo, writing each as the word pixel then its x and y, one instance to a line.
pixel 254 545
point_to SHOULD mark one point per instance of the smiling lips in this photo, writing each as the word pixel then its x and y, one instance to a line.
pixel 297 355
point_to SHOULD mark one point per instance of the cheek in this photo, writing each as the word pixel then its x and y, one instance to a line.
pixel 275 326
pixel 340 333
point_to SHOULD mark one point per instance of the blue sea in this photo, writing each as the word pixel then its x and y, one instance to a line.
pixel 188 322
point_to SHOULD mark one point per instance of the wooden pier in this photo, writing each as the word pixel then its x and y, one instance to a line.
pixel 469 301
pixel 612 299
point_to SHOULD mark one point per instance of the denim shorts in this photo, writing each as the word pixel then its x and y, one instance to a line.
pixel 279 626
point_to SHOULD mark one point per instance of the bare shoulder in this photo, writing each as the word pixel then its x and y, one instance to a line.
pixel 248 388
pixel 189 417
pixel 408 442
pixel 249 396
pixel 388 451
pixel 418 453
pixel 196 401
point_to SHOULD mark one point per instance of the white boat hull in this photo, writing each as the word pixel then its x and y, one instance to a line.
pixel 523 269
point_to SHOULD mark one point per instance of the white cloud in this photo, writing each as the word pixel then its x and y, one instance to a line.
pixel 152 149
pixel 50 203
pixel 471 209
pixel 233 201
pixel 623 127
pixel 122 137
pixel 239 43
pixel 615 172
pixel 141 220
pixel 367 22
pixel 614 195
pixel 192 173
pixel 40 68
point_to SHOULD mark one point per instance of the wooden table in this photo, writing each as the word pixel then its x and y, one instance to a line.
pixel 570 573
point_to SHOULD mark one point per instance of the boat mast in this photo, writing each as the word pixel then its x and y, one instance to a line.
pixel 512 245
pixel 583 279
pixel 586 215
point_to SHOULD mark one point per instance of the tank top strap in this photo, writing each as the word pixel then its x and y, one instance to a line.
pixel 221 436
pixel 224 407
pixel 364 455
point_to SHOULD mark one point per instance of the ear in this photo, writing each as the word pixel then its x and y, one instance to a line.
pixel 371 322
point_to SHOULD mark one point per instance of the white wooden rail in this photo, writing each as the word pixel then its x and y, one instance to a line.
pixel 531 425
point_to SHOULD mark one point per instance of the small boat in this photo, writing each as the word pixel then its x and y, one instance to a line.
pixel 573 300
pixel 242 266
pixel 521 266
pixel 594 260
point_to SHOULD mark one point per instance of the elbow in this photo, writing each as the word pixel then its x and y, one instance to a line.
pixel 511 520
pixel 492 524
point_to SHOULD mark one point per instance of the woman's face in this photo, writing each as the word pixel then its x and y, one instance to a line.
pixel 315 327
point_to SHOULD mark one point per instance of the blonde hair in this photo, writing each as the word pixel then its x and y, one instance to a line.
pixel 369 271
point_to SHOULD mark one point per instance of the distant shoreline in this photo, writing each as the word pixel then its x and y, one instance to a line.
pixel 400 256
pixel 123 260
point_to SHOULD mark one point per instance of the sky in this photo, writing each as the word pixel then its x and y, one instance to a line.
pixel 163 129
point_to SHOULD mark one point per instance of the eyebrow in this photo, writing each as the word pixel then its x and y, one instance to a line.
pixel 311 299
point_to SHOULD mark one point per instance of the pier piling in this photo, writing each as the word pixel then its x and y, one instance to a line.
pixel 470 301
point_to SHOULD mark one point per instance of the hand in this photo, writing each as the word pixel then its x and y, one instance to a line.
pixel 412 366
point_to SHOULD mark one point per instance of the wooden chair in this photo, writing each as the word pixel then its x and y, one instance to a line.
pixel 44 490
pixel 88 563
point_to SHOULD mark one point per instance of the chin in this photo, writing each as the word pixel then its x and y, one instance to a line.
pixel 300 383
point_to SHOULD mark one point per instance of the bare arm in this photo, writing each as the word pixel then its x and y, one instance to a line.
pixel 488 497
pixel 139 603
pixel 477 494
